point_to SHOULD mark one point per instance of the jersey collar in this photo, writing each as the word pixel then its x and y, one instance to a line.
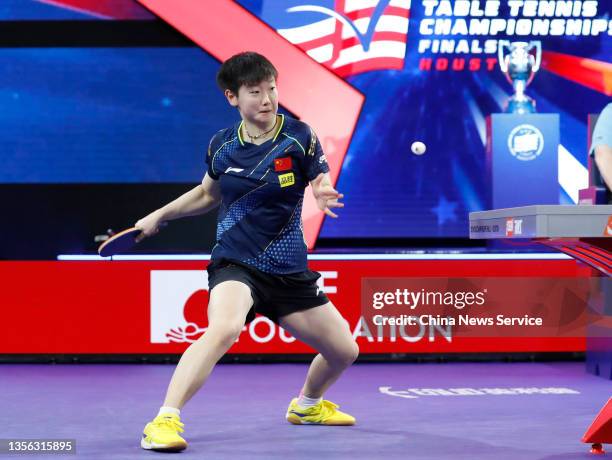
pixel 278 130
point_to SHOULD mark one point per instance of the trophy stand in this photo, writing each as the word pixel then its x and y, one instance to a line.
pixel 522 146
pixel 522 159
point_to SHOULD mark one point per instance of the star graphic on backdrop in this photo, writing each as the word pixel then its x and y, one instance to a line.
pixel 445 210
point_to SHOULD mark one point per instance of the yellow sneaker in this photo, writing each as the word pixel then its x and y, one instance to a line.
pixel 324 413
pixel 162 434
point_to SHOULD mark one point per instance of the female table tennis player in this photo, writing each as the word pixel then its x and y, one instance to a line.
pixel 258 170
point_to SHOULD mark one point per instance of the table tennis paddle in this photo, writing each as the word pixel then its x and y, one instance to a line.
pixel 119 242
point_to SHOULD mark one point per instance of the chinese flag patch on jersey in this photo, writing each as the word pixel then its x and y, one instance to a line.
pixel 282 164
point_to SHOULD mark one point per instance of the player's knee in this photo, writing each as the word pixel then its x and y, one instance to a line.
pixel 347 354
pixel 354 352
pixel 226 334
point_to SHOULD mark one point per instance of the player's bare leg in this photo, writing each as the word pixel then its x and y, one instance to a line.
pixel 229 303
pixel 324 329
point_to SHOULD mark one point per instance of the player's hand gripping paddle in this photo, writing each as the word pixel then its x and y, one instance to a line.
pixel 119 242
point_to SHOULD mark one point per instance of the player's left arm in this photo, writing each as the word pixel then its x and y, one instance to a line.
pixel 317 172
pixel 326 195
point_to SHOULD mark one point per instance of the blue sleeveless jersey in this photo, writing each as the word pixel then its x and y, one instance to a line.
pixel 262 190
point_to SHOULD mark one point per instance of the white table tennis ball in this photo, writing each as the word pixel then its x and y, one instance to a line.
pixel 418 148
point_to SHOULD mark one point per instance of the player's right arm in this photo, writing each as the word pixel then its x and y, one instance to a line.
pixel 199 200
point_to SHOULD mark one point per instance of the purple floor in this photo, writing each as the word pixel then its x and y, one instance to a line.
pixel 240 412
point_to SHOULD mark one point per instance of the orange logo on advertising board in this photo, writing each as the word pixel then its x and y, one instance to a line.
pixel 608 229
pixel 510 227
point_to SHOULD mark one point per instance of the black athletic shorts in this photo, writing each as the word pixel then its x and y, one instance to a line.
pixel 273 295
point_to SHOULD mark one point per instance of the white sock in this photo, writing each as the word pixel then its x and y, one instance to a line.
pixel 305 401
pixel 169 410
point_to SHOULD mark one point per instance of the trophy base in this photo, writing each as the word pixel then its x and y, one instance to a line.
pixel 520 107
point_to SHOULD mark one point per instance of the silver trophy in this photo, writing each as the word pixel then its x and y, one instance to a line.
pixel 520 65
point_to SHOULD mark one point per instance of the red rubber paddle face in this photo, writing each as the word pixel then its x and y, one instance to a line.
pixel 119 242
